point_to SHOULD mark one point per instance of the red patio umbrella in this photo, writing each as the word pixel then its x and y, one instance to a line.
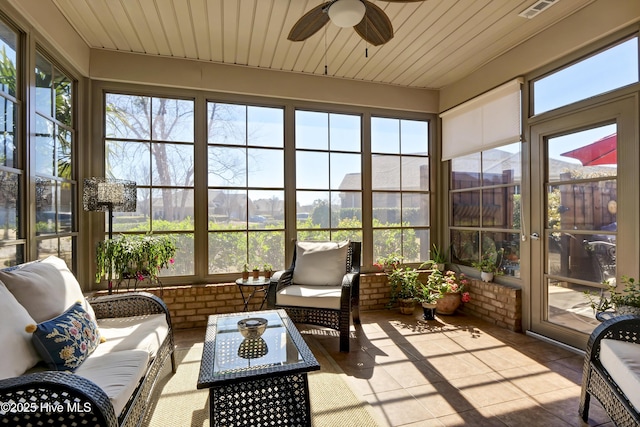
pixel 602 152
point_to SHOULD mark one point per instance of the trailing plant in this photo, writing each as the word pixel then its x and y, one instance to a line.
pixel 134 255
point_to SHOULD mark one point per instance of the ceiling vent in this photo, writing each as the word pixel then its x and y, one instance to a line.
pixel 536 8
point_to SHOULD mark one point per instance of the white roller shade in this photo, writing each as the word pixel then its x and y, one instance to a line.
pixel 487 121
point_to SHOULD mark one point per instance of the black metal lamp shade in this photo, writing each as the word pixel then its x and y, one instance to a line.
pixel 104 194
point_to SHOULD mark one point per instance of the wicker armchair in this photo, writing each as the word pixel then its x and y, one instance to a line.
pixel 597 382
pixel 344 300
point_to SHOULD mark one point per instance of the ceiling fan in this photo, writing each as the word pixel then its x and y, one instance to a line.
pixel 369 21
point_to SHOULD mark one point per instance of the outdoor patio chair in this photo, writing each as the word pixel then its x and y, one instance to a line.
pixel 322 286
pixel 610 370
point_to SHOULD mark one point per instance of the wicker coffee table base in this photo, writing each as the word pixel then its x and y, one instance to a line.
pixel 274 401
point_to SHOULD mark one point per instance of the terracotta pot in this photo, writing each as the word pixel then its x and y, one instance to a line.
pixel 245 275
pixel 267 274
pixel 256 274
pixel 407 305
pixel 449 303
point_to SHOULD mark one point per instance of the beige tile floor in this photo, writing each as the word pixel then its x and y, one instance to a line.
pixel 454 371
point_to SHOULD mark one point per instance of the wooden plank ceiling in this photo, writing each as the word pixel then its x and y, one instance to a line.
pixel 436 42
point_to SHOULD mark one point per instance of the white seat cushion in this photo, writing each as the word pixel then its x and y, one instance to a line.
pixel 16 351
pixel 320 263
pixel 146 333
pixel 621 359
pixel 310 296
pixel 117 374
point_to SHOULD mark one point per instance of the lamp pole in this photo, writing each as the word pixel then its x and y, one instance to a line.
pixel 110 206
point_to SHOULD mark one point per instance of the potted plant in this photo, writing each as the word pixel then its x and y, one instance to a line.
pixel 626 301
pixel 428 298
pixel 135 256
pixel 489 265
pixel 245 272
pixel 451 288
pixel 256 271
pixel 403 283
pixel 389 263
pixel 268 269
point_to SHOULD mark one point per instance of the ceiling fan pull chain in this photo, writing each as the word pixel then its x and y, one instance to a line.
pixel 366 33
pixel 325 51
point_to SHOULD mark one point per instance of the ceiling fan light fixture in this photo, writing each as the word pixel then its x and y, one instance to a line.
pixel 347 13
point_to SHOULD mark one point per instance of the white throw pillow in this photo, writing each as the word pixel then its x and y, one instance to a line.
pixel 16 351
pixel 45 288
pixel 320 263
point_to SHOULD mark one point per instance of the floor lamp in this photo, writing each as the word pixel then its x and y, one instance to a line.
pixel 109 195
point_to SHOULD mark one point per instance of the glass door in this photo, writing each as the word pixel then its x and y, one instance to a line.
pixel 577 200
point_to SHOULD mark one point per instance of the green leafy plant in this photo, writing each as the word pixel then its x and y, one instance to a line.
pixel 630 295
pixel 426 294
pixel 491 262
pixel 403 283
pixel 439 256
pixel 134 255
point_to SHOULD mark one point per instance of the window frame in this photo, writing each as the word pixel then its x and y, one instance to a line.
pixel 63 243
pixel 424 251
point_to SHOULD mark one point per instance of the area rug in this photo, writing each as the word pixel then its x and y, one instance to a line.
pixel 177 402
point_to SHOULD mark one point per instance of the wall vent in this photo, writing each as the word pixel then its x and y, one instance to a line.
pixel 536 8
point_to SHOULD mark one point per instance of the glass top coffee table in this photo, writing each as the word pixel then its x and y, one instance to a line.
pixel 258 380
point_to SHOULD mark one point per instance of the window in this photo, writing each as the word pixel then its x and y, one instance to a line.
pixel 400 188
pixel 150 140
pixel 55 137
pixel 12 247
pixel 607 70
pixel 328 176
pixel 245 171
pixel 485 207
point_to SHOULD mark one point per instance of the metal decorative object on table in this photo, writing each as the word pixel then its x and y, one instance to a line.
pixel 260 379
pixel 252 287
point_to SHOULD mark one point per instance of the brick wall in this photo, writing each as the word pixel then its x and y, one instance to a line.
pixel 498 304
pixel 495 303
pixel 190 305
pixel 374 291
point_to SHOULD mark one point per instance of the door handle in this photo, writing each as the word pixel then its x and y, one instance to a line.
pixel 534 236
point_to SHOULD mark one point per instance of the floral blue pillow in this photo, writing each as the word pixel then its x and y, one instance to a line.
pixel 64 342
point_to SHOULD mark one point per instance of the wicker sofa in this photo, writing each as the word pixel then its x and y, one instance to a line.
pixel 611 370
pixel 112 385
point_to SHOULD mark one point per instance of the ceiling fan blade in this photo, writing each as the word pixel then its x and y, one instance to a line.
pixel 375 27
pixel 310 23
